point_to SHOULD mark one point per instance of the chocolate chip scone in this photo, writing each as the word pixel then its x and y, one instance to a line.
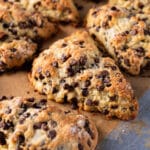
pixel 55 10
pixel 124 34
pixel 140 5
pixel 20 34
pixel 15 53
pixel 30 124
pixel 73 70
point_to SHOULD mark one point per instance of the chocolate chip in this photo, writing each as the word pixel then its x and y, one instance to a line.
pixel 82 60
pixel 85 92
pixel 113 98
pixel 127 62
pixel 75 84
pixel 64 45
pixel 41 77
pixel 53 123
pixel 21 139
pixel 132 108
pixel 52 134
pixel 74 103
pixel 31 99
pixel 87 83
pixel 44 126
pixel 96 103
pixel 140 51
pixel 80 146
pixel 70 71
pixel 114 106
pixel 68 87
pixel 3 98
pixel 4 37
pixel 64 57
pixel 5 25
pixel 105 112
pixel 89 102
pixel 54 90
pixel 37 125
pixel 113 8
pixel 100 87
pixel 2 138
pixel 113 68
pixel 87 128
pixel 13 50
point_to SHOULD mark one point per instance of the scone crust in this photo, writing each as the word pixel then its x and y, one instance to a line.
pixel 73 70
pixel 31 124
pixel 123 33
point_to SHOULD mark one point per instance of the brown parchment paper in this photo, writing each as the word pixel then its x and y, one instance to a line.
pixel 16 83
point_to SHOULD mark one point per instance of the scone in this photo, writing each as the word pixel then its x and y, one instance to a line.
pixel 124 33
pixel 15 53
pixel 73 70
pixel 20 34
pixel 55 10
pixel 30 124
pixel 140 5
pixel 17 21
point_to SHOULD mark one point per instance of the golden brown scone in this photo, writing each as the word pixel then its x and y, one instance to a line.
pixel 140 5
pixel 73 70
pixel 125 34
pixel 55 10
pixel 30 124
pixel 20 33
pixel 15 53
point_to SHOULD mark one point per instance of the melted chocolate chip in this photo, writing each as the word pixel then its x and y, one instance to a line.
pixel 52 134
pixel 87 128
pixel 2 138
pixel 105 112
pixel 114 106
pixel 127 62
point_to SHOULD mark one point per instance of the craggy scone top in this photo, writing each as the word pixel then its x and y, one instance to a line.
pixel 20 34
pixel 139 5
pixel 31 124
pixel 55 10
pixel 124 33
pixel 73 70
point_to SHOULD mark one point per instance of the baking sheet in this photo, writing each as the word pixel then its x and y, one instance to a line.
pixel 113 134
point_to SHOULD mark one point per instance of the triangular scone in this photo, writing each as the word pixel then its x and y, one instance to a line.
pixel 31 124
pixel 73 70
pixel 125 35
pixel 20 34
pixel 140 5
pixel 55 10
